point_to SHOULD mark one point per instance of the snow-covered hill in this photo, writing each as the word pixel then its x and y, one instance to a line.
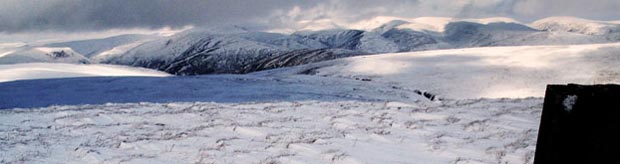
pixel 81 51
pixel 94 47
pixel 43 54
pixel 31 71
pixel 577 25
pixel 493 72
pixel 205 51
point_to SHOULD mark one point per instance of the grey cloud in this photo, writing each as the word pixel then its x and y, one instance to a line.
pixel 70 15
pixel 598 9
pixel 90 15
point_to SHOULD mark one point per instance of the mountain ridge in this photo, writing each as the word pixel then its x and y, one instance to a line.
pixel 241 50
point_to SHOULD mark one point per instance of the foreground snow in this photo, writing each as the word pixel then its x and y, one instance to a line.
pixel 464 131
pixel 12 72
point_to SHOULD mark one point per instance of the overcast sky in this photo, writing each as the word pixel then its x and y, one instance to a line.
pixel 92 15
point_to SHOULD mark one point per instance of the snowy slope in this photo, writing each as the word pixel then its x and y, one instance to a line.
pixel 80 51
pixel 577 25
pixel 203 52
pixel 492 72
pixel 94 47
pixel 12 72
pixel 43 54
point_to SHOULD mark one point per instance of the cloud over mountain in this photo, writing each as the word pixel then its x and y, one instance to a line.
pixel 88 15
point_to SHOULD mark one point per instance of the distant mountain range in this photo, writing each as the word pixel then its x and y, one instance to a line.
pixel 238 50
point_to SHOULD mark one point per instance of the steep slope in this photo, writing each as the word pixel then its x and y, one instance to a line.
pixel 409 40
pixel 297 57
pixel 196 53
pixel 344 39
pixel 204 53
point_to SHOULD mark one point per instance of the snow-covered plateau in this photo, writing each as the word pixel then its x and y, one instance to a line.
pixel 385 90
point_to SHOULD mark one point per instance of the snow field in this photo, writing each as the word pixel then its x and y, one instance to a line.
pixel 457 131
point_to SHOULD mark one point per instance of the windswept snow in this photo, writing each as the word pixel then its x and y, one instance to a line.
pixel 29 71
pixel 465 131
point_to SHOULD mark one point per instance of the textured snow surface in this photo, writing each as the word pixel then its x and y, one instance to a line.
pixel 464 131
pixel 29 71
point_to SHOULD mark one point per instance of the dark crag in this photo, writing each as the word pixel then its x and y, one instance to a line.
pixel 580 124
